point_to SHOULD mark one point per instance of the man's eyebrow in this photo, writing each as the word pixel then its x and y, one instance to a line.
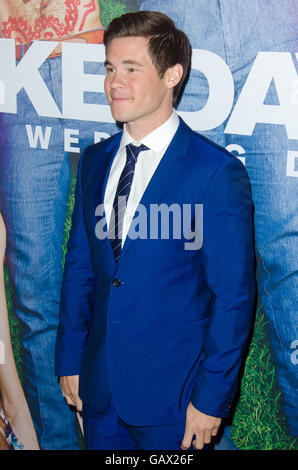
pixel 124 62
pixel 132 62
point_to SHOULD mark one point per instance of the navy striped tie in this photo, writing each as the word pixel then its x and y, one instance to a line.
pixel 121 198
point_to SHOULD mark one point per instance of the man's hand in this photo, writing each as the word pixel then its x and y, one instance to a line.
pixel 203 426
pixel 70 388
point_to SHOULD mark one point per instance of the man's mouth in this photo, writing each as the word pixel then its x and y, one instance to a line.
pixel 119 99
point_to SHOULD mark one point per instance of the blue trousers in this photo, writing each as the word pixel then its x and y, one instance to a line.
pixel 107 431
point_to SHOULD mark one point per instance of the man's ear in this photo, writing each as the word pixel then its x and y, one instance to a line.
pixel 173 75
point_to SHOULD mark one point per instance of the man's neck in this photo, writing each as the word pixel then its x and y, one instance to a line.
pixel 139 130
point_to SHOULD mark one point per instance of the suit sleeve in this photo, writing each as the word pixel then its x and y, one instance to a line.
pixel 77 295
pixel 229 265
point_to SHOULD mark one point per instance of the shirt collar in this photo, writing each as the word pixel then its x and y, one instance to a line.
pixel 157 139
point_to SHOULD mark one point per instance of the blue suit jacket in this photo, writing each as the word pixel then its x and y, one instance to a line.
pixel 175 327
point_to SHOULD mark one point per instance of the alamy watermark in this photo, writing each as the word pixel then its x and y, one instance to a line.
pixel 160 221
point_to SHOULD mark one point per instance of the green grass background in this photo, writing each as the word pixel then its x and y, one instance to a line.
pixel 258 422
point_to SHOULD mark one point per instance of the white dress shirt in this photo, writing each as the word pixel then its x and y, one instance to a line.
pixel 147 162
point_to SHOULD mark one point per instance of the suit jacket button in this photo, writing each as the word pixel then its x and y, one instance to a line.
pixel 116 282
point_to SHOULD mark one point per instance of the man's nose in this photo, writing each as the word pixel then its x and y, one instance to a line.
pixel 117 80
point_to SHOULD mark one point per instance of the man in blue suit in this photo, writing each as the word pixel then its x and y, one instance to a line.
pixel 153 326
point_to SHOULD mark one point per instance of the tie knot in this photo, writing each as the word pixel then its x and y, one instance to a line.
pixel 132 151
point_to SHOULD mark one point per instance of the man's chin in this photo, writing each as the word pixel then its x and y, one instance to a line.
pixel 121 117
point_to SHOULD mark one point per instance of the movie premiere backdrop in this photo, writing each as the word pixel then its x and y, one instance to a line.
pixel 242 92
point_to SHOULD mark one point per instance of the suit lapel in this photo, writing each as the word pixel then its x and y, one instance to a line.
pixel 166 174
pixel 169 166
pixel 101 178
pixel 103 169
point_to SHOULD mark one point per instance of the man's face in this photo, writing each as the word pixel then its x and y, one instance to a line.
pixel 136 93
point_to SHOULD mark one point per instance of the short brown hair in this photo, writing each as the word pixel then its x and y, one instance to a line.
pixel 167 45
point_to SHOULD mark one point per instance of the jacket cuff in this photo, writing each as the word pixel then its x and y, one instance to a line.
pixel 212 397
pixel 68 360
